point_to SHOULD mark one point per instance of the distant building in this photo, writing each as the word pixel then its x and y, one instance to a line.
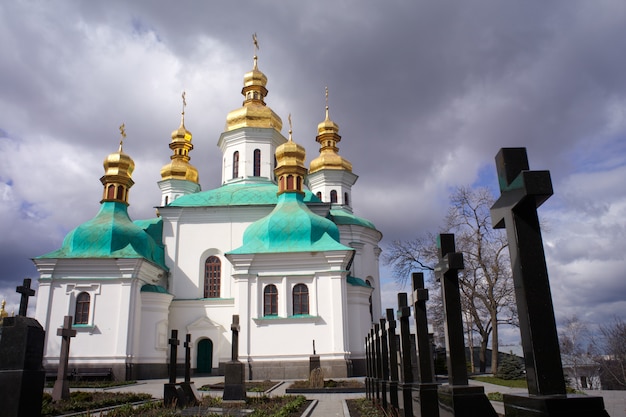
pixel 278 244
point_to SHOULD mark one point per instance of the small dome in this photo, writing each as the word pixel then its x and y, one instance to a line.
pixel 118 164
pixel 180 168
pixel 291 227
pixel 254 112
pixel 328 137
pixel 111 234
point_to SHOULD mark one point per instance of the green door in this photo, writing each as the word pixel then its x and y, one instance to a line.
pixel 205 356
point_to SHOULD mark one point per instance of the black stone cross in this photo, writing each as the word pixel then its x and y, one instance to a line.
pixel 173 342
pixel 234 327
pixel 446 271
pixel 522 192
pixel 404 313
pixel 420 296
pixel 187 346
pixel 61 388
pixel 392 343
pixel 26 292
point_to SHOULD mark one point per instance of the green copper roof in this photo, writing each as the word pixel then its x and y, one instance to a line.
pixel 153 288
pixel 291 227
pixel 358 282
pixel 111 234
pixel 340 216
pixel 237 194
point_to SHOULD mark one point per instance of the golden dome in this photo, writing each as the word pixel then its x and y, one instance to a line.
pixel 118 169
pixel 328 137
pixel 180 168
pixel 254 112
pixel 290 164
pixel 118 164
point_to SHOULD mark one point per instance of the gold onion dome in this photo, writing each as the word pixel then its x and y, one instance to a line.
pixel 328 137
pixel 180 168
pixel 290 169
pixel 118 170
pixel 254 112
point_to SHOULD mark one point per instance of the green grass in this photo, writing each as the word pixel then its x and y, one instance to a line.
pixel 512 383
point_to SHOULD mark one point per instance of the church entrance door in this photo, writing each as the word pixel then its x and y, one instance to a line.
pixel 205 356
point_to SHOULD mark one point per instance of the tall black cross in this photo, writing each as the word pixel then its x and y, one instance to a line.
pixel 173 342
pixel 26 292
pixel 447 271
pixel 187 346
pixel 61 388
pixel 522 192
pixel 420 296
pixel 234 327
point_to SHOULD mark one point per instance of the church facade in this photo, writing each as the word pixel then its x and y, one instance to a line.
pixel 277 244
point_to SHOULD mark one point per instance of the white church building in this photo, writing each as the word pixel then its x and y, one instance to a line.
pixel 277 244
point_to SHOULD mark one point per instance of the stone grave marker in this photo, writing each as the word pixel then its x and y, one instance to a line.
pixel 61 390
pixel 234 370
pixel 426 389
pixel 173 393
pixel 392 349
pixel 22 376
pixel 522 192
pixel 458 398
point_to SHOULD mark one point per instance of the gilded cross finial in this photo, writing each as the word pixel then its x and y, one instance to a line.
pixel 255 41
pixel 290 126
pixel 123 134
pixel 326 102
pixel 184 102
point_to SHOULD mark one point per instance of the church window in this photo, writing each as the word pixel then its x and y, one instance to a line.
pixel 270 300
pixel 300 299
pixel 212 277
pixel 236 164
pixel 333 196
pixel 120 192
pixel 81 315
pixel 111 192
pixel 346 201
pixel 257 163
pixel 167 199
pixel 319 195
pixel 289 182
pixel 298 183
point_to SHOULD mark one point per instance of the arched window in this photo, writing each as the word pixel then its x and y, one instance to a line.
pixel 257 163
pixel 81 315
pixel 111 192
pixel 346 201
pixel 289 182
pixel 319 195
pixel 120 192
pixel 235 164
pixel 333 196
pixel 270 300
pixel 298 183
pixel 300 299
pixel 212 277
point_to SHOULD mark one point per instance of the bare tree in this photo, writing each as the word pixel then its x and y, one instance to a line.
pixel 486 282
pixel 578 363
pixel 610 348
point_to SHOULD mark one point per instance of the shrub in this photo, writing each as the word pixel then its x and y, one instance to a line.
pixel 511 367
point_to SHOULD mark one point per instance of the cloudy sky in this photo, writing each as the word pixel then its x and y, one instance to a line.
pixel 425 94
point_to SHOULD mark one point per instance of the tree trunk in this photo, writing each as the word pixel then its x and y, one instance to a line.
pixel 494 344
pixel 482 355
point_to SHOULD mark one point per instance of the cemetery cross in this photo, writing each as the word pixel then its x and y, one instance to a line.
pixel 173 342
pixel 522 192
pixel 446 271
pixel 61 388
pixel 26 292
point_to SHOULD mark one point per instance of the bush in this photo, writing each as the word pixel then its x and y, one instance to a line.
pixel 511 367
